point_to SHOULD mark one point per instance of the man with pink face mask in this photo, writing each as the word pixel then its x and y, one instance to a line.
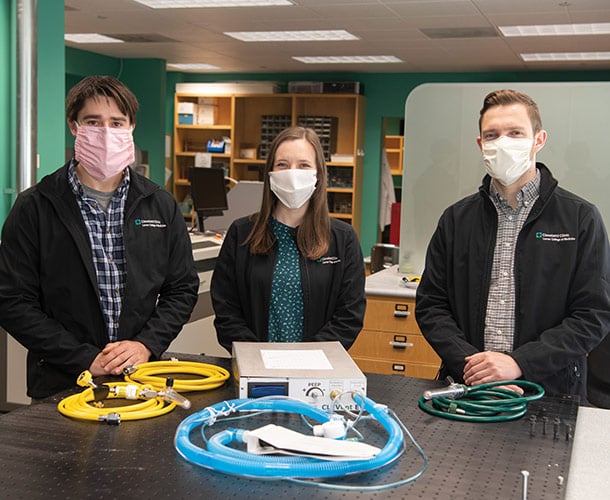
pixel 517 276
pixel 96 266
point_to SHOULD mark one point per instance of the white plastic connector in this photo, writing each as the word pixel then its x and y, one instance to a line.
pixel 333 429
pixel 131 391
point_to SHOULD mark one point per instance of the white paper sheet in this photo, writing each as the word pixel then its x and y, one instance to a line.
pixel 295 359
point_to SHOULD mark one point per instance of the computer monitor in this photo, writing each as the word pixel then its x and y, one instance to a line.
pixel 208 192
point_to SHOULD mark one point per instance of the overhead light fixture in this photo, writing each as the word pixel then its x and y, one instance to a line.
pixel 196 4
pixel 347 59
pixel 566 56
pixel 90 38
pixel 190 67
pixel 292 36
pixel 556 29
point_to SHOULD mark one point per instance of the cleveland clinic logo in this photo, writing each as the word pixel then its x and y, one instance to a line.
pixel 149 223
pixel 556 237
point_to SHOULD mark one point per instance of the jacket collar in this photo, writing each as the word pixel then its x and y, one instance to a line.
pixel 547 183
pixel 56 185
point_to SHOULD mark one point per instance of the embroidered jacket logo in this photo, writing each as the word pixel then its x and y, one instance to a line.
pixel 149 223
pixel 328 260
pixel 557 237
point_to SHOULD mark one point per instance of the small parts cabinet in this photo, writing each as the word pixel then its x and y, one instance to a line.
pixel 391 342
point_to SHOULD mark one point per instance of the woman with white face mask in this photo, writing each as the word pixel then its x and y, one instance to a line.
pixel 290 273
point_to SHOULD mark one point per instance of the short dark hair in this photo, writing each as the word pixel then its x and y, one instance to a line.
pixel 507 97
pixel 107 86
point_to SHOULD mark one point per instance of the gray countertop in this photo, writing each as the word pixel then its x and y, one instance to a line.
pixel 590 468
pixel 205 246
pixel 389 283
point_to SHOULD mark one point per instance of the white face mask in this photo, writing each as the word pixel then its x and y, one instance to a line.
pixel 293 187
pixel 507 159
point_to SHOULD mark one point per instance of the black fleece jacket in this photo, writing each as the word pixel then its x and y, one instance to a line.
pixel 333 289
pixel 561 272
pixel 49 299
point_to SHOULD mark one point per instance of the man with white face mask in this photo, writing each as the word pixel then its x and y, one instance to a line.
pixel 290 273
pixel 96 265
pixel 517 276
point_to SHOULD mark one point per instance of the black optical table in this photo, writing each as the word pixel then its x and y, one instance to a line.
pixel 44 454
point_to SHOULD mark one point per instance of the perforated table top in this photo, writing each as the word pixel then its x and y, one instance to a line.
pixel 46 455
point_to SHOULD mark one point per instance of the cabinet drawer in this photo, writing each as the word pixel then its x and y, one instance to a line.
pixel 390 314
pixel 368 365
pixel 400 347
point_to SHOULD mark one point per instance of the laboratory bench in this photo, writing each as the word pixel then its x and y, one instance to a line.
pixel 44 454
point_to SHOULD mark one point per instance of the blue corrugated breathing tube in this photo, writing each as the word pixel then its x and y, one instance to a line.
pixel 221 457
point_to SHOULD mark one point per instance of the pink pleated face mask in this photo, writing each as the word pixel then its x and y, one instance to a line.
pixel 102 151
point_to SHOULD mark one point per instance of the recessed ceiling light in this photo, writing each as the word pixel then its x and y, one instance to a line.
pixel 90 38
pixel 347 59
pixel 191 67
pixel 566 56
pixel 292 36
pixel 556 29
pixel 194 4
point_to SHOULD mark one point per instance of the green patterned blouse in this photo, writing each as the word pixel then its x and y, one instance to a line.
pixel 286 309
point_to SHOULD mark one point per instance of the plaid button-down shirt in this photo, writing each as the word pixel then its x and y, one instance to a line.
pixel 500 318
pixel 105 229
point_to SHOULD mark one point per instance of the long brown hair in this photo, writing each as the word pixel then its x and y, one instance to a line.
pixel 313 235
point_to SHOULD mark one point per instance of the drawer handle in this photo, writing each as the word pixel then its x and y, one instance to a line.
pixel 401 310
pixel 398 367
pixel 400 345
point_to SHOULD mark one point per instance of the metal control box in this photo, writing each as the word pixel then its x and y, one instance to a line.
pixel 314 372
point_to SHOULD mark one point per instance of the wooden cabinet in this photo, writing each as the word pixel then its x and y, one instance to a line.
pixel 198 120
pixel 394 147
pixel 390 341
pixel 251 122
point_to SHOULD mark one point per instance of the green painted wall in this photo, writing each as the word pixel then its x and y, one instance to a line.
pixel 7 104
pixel 146 79
pixel 80 63
pixel 50 94
pixel 51 86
